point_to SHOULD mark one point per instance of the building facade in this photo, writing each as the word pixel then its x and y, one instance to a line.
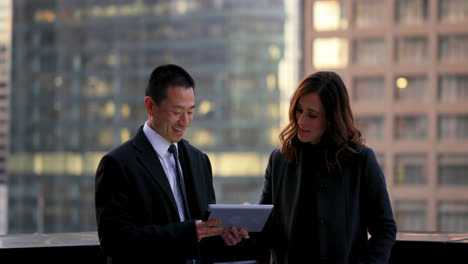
pixel 79 71
pixel 406 67
pixel 5 39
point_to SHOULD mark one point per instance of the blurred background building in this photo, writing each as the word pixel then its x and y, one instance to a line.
pixel 79 69
pixel 5 39
pixel 406 64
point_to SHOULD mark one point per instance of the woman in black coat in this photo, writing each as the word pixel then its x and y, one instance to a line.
pixel 330 199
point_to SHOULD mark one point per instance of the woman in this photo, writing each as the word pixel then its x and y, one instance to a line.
pixel 326 186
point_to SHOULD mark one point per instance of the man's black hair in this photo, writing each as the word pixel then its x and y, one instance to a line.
pixel 165 76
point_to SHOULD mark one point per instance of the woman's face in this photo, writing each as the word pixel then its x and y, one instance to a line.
pixel 311 118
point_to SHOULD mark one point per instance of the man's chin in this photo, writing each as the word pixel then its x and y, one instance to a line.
pixel 176 139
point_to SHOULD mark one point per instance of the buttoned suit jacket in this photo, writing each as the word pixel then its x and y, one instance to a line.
pixel 347 208
pixel 137 217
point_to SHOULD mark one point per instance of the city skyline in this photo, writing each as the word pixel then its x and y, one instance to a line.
pixel 78 71
pixel 87 65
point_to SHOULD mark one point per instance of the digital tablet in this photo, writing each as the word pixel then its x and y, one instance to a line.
pixel 251 217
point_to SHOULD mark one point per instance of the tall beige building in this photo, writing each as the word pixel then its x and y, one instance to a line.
pixel 406 66
pixel 5 39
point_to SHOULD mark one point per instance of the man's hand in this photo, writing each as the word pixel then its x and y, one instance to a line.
pixel 208 229
pixel 233 236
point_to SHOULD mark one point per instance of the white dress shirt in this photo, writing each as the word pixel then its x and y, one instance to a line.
pixel 161 146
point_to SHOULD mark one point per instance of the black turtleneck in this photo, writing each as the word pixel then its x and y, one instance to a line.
pixel 305 241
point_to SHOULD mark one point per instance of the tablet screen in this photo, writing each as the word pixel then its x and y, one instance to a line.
pixel 251 217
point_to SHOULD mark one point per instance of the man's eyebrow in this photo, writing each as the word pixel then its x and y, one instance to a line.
pixel 182 107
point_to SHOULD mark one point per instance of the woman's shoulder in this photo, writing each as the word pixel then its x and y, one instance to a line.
pixel 277 157
pixel 357 153
pixel 277 154
pixel 365 156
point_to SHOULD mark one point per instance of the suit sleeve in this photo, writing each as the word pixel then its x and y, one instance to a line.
pixel 377 211
pixel 119 231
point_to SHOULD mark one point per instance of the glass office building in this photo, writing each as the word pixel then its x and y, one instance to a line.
pixel 406 64
pixel 79 70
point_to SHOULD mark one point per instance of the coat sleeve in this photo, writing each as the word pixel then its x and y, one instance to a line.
pixel 258 247
pixel 120 233
pixel 378 214
pixel 267 192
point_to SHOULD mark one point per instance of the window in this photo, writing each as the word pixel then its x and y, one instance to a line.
pixel 329 15
pixel 410 169
pixel 330 53
pixel 410 127
pixel 451 11
pixel 411 11
pixel 453 88
pixel 369 51
pixel 372 128
pixel 411 49
pixel 453 49
pixel 413 88
pixel 453 127
pixel 369 13
pixel 411 215
pixel 453 216
pixel 369 89
pixel 453 169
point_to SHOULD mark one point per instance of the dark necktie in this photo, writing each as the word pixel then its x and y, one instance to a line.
pixel 180 182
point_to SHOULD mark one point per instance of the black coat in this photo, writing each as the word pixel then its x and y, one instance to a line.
pixel 137 217
pixel 346 208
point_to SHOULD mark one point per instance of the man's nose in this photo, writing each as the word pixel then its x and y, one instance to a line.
pixel 184 118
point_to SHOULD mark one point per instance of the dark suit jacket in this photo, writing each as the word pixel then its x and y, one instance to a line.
pixel 137 218
pixel 346 209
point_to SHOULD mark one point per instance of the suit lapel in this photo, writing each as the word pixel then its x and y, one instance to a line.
pixel 150 161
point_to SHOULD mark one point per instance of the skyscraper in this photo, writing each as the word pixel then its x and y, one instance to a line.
pixel 406 66
pixel 79 70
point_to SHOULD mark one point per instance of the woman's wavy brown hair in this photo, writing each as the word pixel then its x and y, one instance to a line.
pixel 341 136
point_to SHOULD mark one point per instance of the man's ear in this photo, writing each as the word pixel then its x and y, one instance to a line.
pixel 149 103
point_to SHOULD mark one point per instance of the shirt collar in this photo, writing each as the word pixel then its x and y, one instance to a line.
pixel 160 144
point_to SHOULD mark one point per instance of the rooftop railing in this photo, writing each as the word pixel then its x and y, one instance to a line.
pixel 84 248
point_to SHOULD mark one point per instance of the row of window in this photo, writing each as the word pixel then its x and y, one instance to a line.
pixel 414 127
pixel 411 215
pixel 411 49
pixel 82 10
pixel 411 169
pixel 451 88
pixel 234 136
pixel 331 15
pixel 333 52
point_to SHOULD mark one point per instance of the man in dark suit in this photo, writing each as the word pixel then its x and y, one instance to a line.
pixel 151 190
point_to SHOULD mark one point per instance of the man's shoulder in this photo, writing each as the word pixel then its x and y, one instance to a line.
pixel 124 150
pixel 191 150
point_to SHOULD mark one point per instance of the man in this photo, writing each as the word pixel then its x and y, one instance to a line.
pixel 151 189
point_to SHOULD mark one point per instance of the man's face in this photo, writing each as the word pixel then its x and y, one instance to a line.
pixel 173 115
